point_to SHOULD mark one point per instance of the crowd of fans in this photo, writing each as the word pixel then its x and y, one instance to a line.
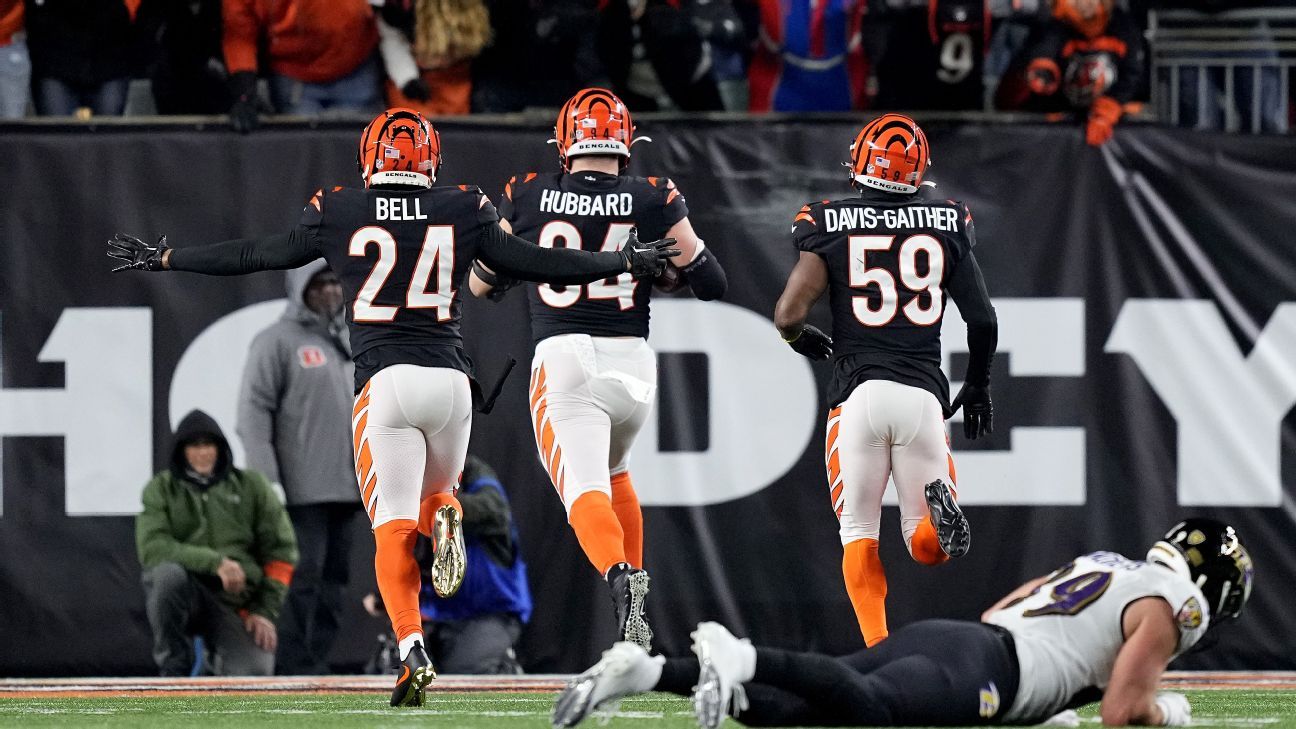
pixel 1083 57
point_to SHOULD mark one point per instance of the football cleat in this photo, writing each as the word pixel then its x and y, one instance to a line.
pixel 720 678
pixel 416 671
pixel 624 669
pixel 629 590
pixel 449 556
pixel 951 525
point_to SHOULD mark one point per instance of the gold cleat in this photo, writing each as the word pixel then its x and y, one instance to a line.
pixel 449 558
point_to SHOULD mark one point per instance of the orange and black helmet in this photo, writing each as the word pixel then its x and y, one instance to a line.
pixel 594 121
pixel 890 153
pixel 399 147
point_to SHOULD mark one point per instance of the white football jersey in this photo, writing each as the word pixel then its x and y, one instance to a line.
pixel 1069 630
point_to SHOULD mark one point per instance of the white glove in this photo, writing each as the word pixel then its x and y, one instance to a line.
pixel 1068 718
pixel 1175 709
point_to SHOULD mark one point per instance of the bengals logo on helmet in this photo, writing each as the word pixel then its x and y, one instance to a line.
pixel 890 153
pixel 399 147
pixel 594 121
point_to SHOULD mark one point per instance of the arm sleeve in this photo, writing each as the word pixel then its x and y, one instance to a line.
pixel 517 258
pixel 276 550
pixel 967 288
pixel 706 276
pixel 240 35
pixel 396 54
pixel 248 255
pixel 155 542
pixel 258 403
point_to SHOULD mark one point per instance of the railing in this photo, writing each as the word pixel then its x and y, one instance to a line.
pixel 1229 70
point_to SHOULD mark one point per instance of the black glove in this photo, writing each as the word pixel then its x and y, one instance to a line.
pixel 243 110
pixel 136 253
pixel 416 90
pixel 811 343
pixel 978 411
pixel 647 260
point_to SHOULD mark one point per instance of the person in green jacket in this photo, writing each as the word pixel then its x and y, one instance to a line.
pixel 218 552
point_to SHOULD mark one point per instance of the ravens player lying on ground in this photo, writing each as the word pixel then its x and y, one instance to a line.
pixel 1101 628
pixel 594 377
pixel 887 258
pixel 401 248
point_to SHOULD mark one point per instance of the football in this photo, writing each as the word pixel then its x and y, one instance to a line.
pixel 670 280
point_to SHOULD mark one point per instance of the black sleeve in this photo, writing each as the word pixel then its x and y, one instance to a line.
pixel 706 276
pixel 517 258
pixel 967 288
pixel 247 255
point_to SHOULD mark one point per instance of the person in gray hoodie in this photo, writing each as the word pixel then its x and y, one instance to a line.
pixel 294 419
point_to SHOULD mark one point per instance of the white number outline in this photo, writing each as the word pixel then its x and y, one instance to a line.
pixel 624 285
pixel 860 275
pixel 437 254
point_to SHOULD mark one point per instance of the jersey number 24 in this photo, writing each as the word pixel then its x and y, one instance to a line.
pixel 436 257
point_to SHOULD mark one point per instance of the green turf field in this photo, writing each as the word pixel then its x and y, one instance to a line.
pixel 1241 708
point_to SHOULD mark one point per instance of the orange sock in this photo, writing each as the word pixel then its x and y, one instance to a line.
pixel 924 546
pixel 867 587
pixel 428 509
pixel 598 530
pixel 626 505
pixel 398 575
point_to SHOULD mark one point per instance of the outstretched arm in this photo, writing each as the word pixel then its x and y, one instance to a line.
pixel 1151 638
pixel 228 258
pixel 516 258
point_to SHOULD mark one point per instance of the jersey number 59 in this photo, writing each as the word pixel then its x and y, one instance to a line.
pixel 862 275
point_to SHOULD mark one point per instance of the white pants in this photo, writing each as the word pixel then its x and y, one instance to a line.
pixel 589 398
pixel 411 427
pixel 884 429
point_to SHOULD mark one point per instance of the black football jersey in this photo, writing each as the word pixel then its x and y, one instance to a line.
pixel 592 211
pixel 889 258
pixel 401 258
pixel 934 56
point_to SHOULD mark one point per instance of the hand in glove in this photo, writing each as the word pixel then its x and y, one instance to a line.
pixel 136 253
pixel 811 343
pixel 647 260
pixel 978 411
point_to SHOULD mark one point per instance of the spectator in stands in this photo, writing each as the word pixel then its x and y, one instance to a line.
pixel 320 55
pixel 809 56
pixel 542 53
pixel 475 630
pixel 1088 60
pixel 82 55
pixel 15 64
pixel 929 54
pixel 187 65
pixel 656 55
pixel 218 554
pixel 294 419
pixel 428 47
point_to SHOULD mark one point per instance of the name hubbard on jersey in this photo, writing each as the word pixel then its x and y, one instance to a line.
pixel 940 218
pixel 561 202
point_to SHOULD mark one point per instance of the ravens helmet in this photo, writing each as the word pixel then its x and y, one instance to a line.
pixel 1209 554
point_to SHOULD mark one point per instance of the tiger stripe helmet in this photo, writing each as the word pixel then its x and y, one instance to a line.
pixel 399 147
pixel 891 154
pixel 594 121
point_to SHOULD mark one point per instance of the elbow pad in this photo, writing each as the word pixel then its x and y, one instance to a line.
pixel 706 276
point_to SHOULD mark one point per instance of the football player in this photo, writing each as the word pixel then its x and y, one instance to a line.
pixel 401 248
pixel 887 258
pixel 1100 628
pixel 593 377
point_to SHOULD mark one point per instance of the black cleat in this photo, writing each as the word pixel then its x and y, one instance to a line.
pixel 416 671
pixel 951 525
pixel 629 590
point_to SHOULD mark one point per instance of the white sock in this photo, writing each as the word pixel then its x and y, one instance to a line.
pixel 407 644
pixel 746 661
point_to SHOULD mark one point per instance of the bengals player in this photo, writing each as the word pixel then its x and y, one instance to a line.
pixel 401 248
pixel 593 378
pixel 887 258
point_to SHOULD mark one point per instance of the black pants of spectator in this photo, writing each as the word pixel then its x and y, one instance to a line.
pixel 181 605
pixel 930 673
pixel 312 613
pixel 481 645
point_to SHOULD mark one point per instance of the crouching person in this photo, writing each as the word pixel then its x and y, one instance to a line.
pixel 217 550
